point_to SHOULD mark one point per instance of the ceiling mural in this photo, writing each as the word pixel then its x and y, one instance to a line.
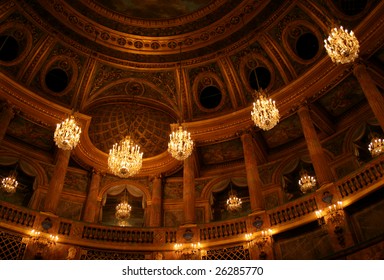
pixel 343 97
pixel 221 152
pixel 154 9
pixel 284 132
pixel 30 133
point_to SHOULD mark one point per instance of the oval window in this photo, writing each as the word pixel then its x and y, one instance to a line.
pixel 9 48
pixel 56 80
pixel 259 78
pixel 210 97
pixel 307 46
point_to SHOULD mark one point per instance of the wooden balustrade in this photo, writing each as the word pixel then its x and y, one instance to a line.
pixel 367 176
pixel 16 215
pixel 361 179
pixel 223 230
pixel 292 211
pixel 64 228
pixel 111 234
pixel 170 236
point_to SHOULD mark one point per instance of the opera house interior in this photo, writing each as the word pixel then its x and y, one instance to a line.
pixel 191 130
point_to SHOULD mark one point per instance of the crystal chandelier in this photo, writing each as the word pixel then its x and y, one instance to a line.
pixel 67 134
pixel 125 158
pixel 264 113
pixel 9 184
pixel 180 144
pixel 376 147
pixel 306 182
pixel 341 46
pixel 123 211
pixel 233 202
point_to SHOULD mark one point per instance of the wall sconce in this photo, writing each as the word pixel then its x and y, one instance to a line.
pixel 187 251
pixel 333 214
pixel 260 242
pixel 42 241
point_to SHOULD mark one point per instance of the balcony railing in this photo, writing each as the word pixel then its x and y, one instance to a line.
pixel 368 177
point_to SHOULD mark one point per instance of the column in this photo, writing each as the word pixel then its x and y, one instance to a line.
pixel 373 95
pixel 6 116
pixel 320 164
pixel 156 209
pixel 57 181
pixel 90 208
pixel 189 191
pixel 253 177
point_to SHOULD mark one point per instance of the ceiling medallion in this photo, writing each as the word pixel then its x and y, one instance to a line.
pixel 9 184
pixel 180 144
pixel 306 182
pixel 376 147
pixel 67 134
pixel 341 46
pixel 125 158
pixel 123 210
pixel 264 113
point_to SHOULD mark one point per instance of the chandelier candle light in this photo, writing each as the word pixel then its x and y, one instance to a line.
pixel 342 47
pixel 234 203
pixel 376 147
pixel 306 182
pixel 67 134
pixel 123 211
pixel 9 184
pixel 125 158
pixel 180 145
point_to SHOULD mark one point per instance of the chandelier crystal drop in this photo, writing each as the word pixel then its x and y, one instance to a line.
pixel 306 182
pixel 376 147
pixel 341 46
pixel 67 134
pixel 234 203
pixel 9 184
pixel 125 158
pixel 264 113
pixel 180 144
pixel 123 211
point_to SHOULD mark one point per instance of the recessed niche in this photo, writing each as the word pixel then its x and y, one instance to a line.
pixel 307 46
pixel 9 48
pixel 263 78
pixel 56 80
pixel 210 97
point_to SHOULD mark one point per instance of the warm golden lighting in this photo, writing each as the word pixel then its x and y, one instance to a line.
pixel 234 203
pixel 264 113
pixel 333 213
pixel 187 251
pixel 306 182
pixel 125 158
pixel 67 134
pixel 9 184
pixel 43 240
pixel 180 145
pixel 341 46
pixel 123 211
pixel 376 147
